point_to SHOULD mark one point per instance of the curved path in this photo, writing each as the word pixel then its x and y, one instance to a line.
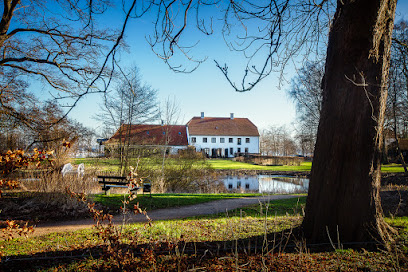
pixel 213 207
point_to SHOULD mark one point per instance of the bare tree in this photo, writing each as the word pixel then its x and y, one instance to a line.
pixel 306 92
pixel 59 44
pixel 169 115
pixel 131 102
pixel 396 117
pixel 277 141
pixel 269 34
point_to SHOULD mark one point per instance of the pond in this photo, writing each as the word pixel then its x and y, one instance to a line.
pixel 275 184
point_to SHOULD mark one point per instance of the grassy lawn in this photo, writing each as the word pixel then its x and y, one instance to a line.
pixel 305 166
pixel 229 164
pixel 161 201
pixel 392 168
pixel 109 164
pixel 252 221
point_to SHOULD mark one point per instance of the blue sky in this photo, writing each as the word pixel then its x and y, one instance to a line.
pixel 206 89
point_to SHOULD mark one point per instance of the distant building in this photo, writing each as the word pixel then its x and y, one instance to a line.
pixel 173 137
pixel 223 137
pixel 214 136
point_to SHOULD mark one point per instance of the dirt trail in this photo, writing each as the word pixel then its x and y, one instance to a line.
pixel 213 207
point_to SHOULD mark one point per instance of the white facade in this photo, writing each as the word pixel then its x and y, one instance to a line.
pixel 223 136
pixel 224 146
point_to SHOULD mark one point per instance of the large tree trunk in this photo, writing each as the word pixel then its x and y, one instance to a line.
pixel 343 198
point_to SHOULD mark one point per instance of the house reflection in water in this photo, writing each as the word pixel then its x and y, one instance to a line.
pixel 266 184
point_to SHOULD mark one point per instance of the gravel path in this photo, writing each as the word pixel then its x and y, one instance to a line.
pixel 213 207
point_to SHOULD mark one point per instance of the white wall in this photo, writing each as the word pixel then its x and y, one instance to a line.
pixel 253 145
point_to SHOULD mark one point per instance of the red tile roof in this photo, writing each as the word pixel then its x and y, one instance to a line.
pixel 152 135
pixel 218 126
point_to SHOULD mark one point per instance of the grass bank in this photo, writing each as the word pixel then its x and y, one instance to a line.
pixel 162 201
pixel 111 164
pixel 304 166
pixel 234 165
pixel 392 168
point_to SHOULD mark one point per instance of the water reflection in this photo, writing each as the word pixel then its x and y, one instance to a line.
pixel 267 184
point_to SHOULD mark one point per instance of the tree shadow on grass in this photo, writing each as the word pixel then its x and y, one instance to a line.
pixel 167 254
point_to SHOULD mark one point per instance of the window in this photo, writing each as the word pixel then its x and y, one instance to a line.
pixel 222 140
pixel 239 150
pixel 230 140
pixel 247 140
pixel 230 186
pixel 204 139
pixel 193 139
pixel 238 184
pixel 231 151
pixel 246 150
pixel 213 140
pixel 246 185
pixel 239 141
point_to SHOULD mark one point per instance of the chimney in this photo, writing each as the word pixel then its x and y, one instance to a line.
pixel 202 115
pixel 232 116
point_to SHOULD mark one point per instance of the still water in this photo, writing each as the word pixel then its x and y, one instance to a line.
pixel 266 184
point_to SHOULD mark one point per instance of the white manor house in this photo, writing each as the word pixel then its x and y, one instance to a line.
pixel 223 136
pixel 214 136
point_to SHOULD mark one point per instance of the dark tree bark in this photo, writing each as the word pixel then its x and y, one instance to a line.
pixel 343 198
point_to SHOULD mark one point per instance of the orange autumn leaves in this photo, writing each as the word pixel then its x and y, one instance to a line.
pixel 17 159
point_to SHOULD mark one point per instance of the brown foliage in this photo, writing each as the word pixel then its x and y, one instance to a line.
pixel 14 228
pixel 13 160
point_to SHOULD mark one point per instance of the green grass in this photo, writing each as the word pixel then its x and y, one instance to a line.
pixel 240 223
pixel 236 224
pixel 233 165
pixel 161 201
pixel 110 164
pixel 277 208
pixel 304 166
pixel 392 168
